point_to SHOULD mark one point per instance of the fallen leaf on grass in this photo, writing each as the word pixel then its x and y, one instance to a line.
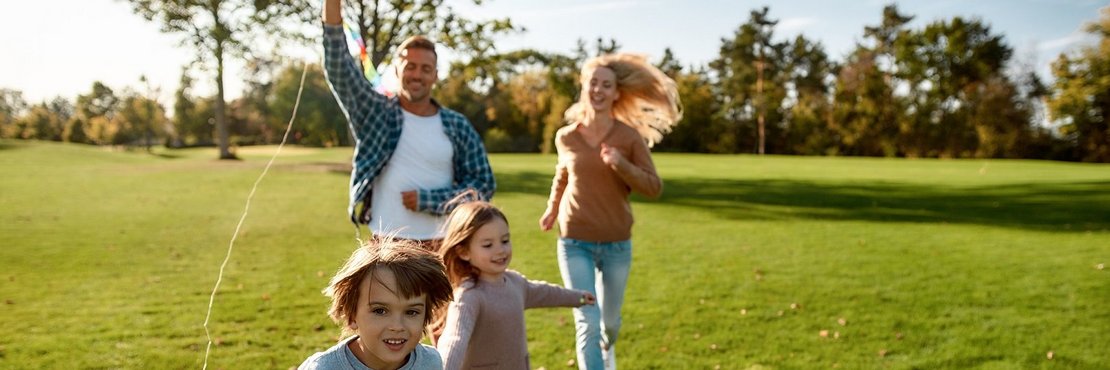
pixel 823 333
pixel 1051 355
pixel 842 321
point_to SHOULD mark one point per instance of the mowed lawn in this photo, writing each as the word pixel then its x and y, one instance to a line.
pixel 107 260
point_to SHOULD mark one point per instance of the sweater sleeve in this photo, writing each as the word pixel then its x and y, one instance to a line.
pixel 543 294
pixel 462 314
pixel 638 170
pixel 559 182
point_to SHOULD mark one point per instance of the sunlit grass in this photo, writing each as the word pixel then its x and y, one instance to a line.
pixel 109 258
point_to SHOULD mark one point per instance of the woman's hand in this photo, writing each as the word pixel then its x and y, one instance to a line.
pixel 548 219
pixel 611 156
pixel 587 298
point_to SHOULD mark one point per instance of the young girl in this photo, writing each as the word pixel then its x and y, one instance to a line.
pixel 484 325
pixel 385 295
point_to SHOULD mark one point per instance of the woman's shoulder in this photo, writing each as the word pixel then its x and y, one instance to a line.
pixel 624 129
pixel 567 129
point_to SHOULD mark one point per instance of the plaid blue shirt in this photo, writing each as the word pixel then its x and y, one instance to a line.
pixel 376 121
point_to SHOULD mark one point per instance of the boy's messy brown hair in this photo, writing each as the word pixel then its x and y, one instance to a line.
pixel 417 272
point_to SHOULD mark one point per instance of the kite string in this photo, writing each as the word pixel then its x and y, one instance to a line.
pixel 246 209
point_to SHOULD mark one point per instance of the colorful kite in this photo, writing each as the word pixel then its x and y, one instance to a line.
pixel 368 68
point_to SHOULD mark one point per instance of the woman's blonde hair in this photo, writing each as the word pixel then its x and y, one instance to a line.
pixel 460 226
pixel 416 271
pixel 648 101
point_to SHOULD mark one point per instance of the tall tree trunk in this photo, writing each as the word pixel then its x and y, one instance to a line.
pixel 221 114
pixel 759 106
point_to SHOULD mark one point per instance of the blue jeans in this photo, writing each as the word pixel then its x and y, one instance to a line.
pixel 601 269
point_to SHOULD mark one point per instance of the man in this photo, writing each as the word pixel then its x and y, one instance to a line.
pixel 412 156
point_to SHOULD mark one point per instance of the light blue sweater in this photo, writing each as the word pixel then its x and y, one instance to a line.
pixel 340 357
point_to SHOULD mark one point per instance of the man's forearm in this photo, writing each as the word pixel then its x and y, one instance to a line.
pixel 331 12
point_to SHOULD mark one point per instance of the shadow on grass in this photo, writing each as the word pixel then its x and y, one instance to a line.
pixel 1062 207
pixel 167 155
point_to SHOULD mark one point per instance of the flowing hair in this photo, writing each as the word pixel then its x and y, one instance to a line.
pixel 648 101
pixel 458 229
pixel 416 271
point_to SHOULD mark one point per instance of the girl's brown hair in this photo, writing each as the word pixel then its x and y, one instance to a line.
pixel 416 270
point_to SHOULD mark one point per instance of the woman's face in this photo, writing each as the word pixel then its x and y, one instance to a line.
pixel 599 87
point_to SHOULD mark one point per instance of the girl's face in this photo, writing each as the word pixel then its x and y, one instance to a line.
pixel 489 250
pixel 389 326
pixel 600 88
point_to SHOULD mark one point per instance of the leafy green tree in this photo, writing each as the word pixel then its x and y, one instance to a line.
pixel 191 114
pixel 12 107
pixel 384 24
pixel 749 72
pixel 218 30
pixel 1081 98
pixel 700 127
pixel 45 121
pixel 861 123
pixel 948 67
pixel 808 72
pixel 319 122
pixel 95 115
pixel 141 120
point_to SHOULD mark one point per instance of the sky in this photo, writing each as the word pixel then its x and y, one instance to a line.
pixel 60 47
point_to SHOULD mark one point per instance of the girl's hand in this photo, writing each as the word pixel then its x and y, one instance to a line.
pixel 610 155
pixel 588 298
pixel 548 219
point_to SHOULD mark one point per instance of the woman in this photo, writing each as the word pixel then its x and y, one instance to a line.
pixel 625 106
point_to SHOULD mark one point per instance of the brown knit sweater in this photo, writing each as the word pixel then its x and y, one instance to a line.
pixel 591 196
pixel 485 322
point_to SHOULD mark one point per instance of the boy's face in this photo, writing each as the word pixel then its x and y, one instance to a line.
pixel 389 327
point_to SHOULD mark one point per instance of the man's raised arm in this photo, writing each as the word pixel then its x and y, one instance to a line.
pixel 331 12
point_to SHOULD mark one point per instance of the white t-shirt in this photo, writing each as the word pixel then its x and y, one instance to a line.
pixel 423 160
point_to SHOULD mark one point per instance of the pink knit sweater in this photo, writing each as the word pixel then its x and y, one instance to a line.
pixel 485 322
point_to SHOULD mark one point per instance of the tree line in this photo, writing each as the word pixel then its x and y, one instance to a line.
pixel 950 89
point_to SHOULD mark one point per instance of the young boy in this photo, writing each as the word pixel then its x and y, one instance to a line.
pixel 385 295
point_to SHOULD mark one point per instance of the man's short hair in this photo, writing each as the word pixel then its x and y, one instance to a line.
pixel 418 42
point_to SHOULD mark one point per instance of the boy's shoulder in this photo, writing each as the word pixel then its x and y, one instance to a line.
pixel 331 358
pixel 424 357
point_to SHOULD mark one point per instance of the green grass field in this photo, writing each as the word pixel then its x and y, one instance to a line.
pixel 108 260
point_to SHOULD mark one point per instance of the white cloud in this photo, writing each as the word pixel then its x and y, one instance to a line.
pixel 1063 42
pixel 605 6
pixel 794 25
